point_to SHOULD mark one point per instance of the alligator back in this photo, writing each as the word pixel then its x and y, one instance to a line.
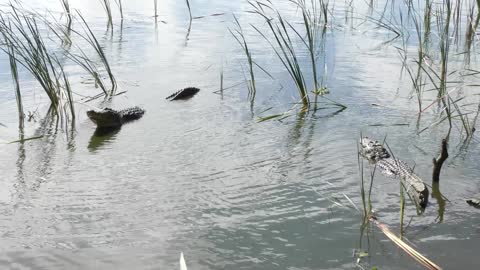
pixel 133 113
pixel 184 93
pixel 376 153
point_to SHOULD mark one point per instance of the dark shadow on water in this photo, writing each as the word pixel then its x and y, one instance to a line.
pixel 102 136
pixel 317 115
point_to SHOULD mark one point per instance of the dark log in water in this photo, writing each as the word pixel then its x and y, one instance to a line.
pixel 438 162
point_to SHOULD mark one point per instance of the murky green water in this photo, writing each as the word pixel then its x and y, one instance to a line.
pixel 203 177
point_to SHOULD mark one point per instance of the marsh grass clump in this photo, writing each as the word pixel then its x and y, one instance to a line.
pixel 285 46
pixel 442 34
pixel 25 45
pixel 22 39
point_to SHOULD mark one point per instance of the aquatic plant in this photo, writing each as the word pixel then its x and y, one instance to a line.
pixel 120 7
pixel 189 9
pixel 311 24
pixel 16 82
pixel 87 64
pixel 108 10
pixel 24 42
pixel 240 37
pixel 284 47
pixel 285 51
pixel 90 66
pixel 66 8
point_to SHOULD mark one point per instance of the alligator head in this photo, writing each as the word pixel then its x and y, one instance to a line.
pixel 373 150
pixel 106 118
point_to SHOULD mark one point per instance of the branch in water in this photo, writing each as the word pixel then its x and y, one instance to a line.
pixel 438 162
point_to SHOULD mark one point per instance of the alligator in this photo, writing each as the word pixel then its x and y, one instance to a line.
pixel 474 202
pixel 185 93
pixel 390 166
pixel 110 119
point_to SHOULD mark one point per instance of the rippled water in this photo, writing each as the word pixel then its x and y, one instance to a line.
pixel 202 176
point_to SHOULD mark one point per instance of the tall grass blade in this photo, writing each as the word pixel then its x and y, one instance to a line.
pixel 92 40
pixel 189 9
pixel 240 37
pixel 66 8
pixel 23 41
pixel 14 71
pixel 108 9
pixel 405 247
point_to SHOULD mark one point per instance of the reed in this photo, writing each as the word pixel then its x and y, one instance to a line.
pixel 240 37
pixel 108 9
pixel 444 27
pixel 25 44
pixel 62 33
pixel 120 7
pixel 88 65
pixel 16 82
pixel 93 41
pixel 155 7
pixel 67 87
pixel 286 53
pixel 221 81
pixel 310 22
pixel 416 80
pixel 189 9
pixel 66 8
pixel 324 6
pixel 427 18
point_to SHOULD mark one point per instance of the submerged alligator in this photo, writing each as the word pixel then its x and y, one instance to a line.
pixel 110 118
pixel 183 93
pixel 376 153
pixel 474 202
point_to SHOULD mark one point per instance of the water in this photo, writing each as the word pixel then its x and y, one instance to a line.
pixel 203 177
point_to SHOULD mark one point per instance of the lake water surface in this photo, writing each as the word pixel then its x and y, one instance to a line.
pixel 203 176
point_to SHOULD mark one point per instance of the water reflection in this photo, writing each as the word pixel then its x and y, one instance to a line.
pixel 102 137
pixel 440 201
pixel 231 192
